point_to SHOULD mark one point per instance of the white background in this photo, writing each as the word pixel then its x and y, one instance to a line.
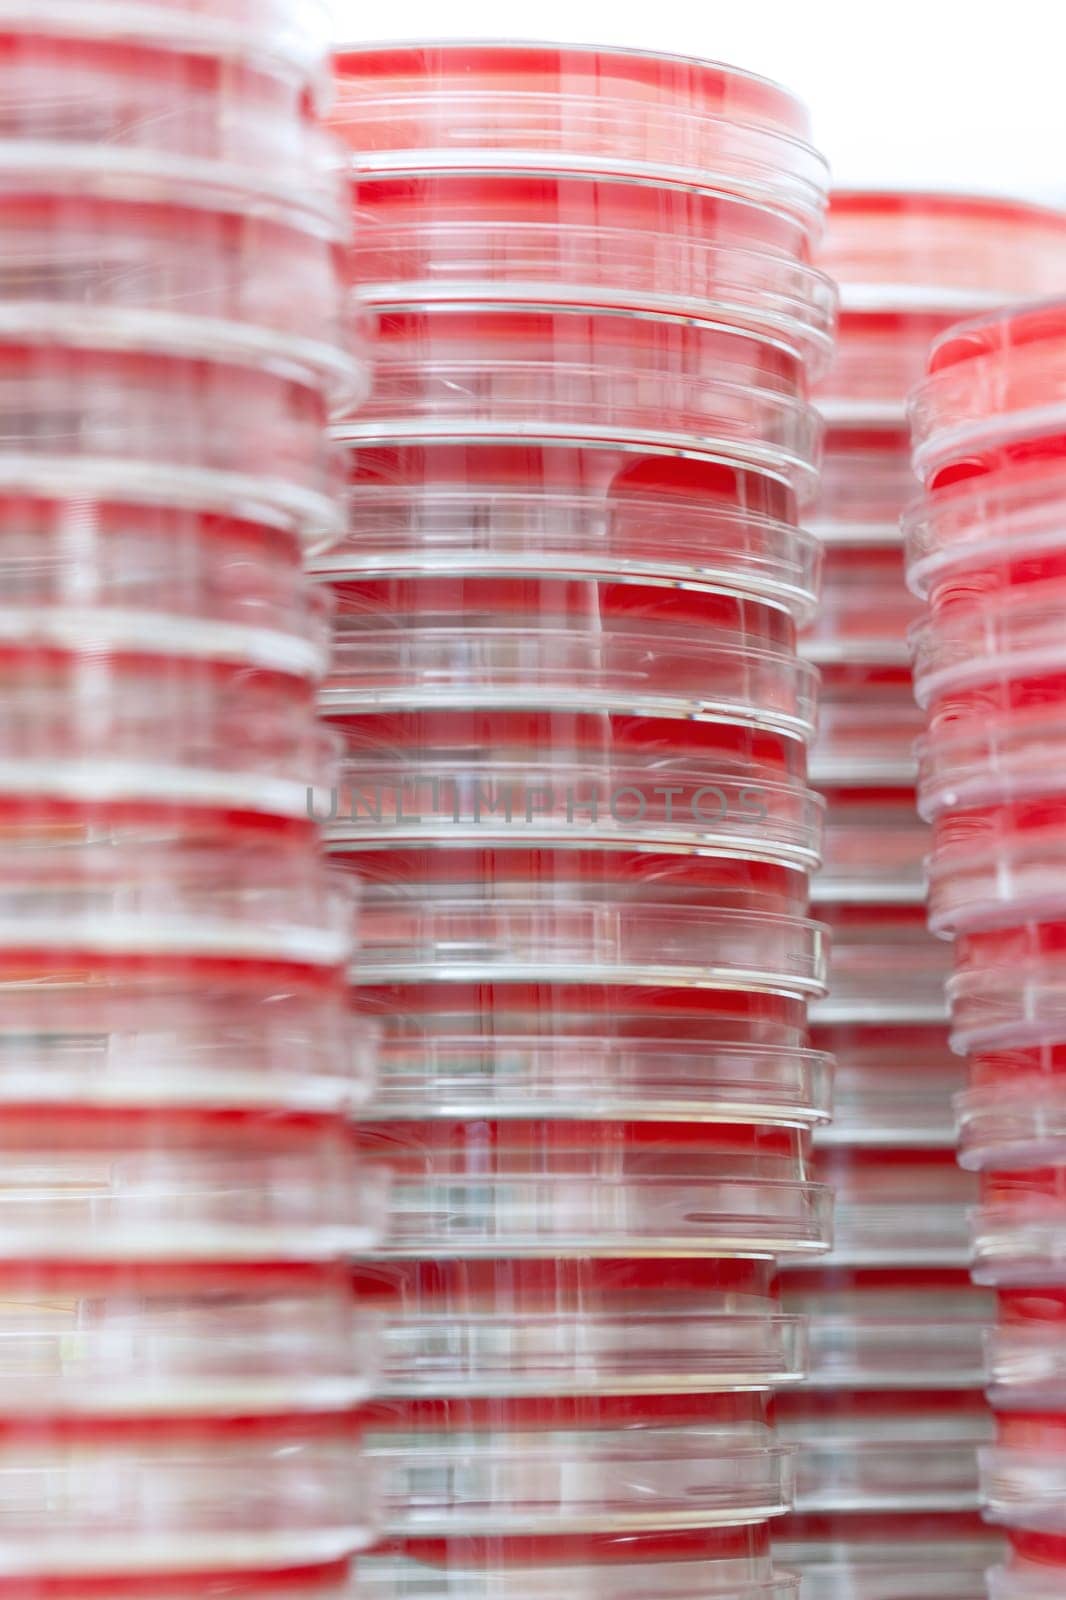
pixel 935 93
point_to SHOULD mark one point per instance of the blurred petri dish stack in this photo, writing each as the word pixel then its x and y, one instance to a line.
pixel 892 1417
pixel 181 1363
pixel 575 726
pixel 985 555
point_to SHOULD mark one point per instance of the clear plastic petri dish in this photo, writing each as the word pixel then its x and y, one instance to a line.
pixel 281 33
pixel 929 250
pixel 1027 1349
pixel 909 1555
pixel 427 1009
pixel 396 877
pixel 514 915
pixel 866 611
pixel 578 239
pixel 163 262
pixel 893 1084
pixel 483 507
pixel 87 886
pixel 158 580
pixel 451 371
pixel 1015 1117
pixel 995 384
pixel 1021 1473
pixel 81 414
pixel 999 642
pixel 87 727
pixel 986 536
pixel 555 1188
pixel 891 1328
pixel 728 1563
pixel 239 1040
pixel 1033 1568
pixel 1040 451
pixel 885 1450
pixel 516 666
pixel 1005 756
pixel 620 112
pixel 452 734
pixel 1006 987
pixel 875 847
pixel 565 601
pixel 901 1208
pixel 593 1051
pixel 572 1327
pixel 92 1184
pixel 878 358
pixel 997 866
pixel 472 643
pixel 866 482
pixel 329 1580
pixel 590 1464
pixel 476 938
pixel 558 797
pixel 886 967
pixel 182 1496
pixel 113 1341
pixel 868 727
pixel 72 82
pixel 589 1077
pixel 1018 1228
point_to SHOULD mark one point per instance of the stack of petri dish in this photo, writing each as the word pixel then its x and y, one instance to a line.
pixel 986 555
pixel 892 1417
pixel 576 724
pixel 181 1365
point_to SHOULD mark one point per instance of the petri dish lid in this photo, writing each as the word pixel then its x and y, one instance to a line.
pixel 1007 1124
